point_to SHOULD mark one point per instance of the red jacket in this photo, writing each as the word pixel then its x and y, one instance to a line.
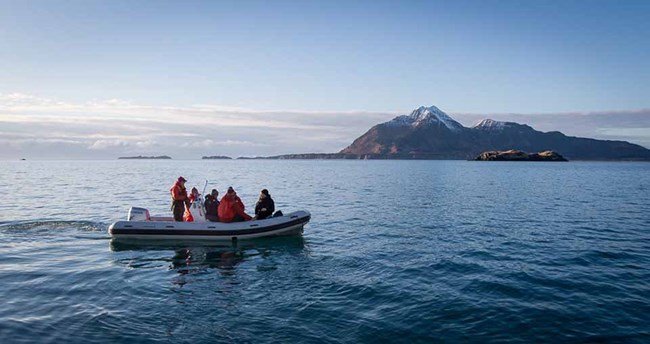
pixel 231 206
pixel 187 216
pixel 178 192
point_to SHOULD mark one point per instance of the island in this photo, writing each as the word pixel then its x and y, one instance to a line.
pixel 216 157
pixel 429 133
pixel 160 157
pixel 517 155
pixel 306 156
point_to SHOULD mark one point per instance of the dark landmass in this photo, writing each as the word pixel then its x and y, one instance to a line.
pixel 315 156
pixel 216 157
pixel 161 157
pixel 341 156
pixel 429 133
pixel 517 155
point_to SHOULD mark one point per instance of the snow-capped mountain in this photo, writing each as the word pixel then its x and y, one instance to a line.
pixel 426 116
pixel 490 124
pixel 429 133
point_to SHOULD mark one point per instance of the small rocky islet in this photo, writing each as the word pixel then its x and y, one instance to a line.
pixel 160 157
pixel 517 155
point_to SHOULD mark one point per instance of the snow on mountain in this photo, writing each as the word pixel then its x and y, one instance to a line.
pixel 426 116
pixel 490 124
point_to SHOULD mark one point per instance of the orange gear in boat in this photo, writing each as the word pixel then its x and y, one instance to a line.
pixel 231 206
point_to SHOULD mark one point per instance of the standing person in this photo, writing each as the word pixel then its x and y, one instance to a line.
pixel 179 198
pixel 231 208
pixel 265 205
pixel 212 206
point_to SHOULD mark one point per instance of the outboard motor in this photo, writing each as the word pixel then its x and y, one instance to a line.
pixel 138 214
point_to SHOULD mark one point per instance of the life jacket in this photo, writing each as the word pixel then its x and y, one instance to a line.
pixel 178 192
pixel 187 216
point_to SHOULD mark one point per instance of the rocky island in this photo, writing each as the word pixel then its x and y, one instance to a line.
pixel 517 155
pixel 216 157
pixel 160 157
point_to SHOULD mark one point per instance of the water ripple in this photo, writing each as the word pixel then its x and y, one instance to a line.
pixel 397 251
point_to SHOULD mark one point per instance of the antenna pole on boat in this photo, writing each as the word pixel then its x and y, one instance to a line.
pixel 204 186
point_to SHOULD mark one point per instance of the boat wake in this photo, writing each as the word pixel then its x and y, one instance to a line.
pixel 51 225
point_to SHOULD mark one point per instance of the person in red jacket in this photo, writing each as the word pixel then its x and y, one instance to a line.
pixel 194 195
pixel 231 208
pixel 179 198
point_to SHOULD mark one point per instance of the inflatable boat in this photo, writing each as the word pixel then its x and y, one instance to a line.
pixel 140 225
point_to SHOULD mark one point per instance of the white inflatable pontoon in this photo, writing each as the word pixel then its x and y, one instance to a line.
pixel 140 225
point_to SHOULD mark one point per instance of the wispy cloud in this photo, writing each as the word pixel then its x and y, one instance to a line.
pixel 37 127
pixel 110 128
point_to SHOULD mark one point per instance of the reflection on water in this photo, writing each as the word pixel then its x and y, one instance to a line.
pixel 194 263
pixel 281 243
pixel 190 259
pixel 193 257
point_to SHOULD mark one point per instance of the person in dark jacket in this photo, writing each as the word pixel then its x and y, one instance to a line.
pixel 212 206
pixel 265 206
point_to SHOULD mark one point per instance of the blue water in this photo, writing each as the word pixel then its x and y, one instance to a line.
pixel 397 251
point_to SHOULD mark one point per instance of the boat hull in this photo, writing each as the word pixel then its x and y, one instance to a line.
pixel 290 224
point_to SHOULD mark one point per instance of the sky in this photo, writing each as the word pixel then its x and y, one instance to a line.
pixel 101 79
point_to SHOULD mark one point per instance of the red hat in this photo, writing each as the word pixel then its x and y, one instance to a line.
pixel 181 179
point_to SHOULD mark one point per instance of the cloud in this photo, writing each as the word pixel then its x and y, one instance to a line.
pixel 37 127
pixel 111 128
pixel 112 144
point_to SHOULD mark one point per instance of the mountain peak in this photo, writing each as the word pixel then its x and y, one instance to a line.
pixel 424 115
pixel 489 124
pixel 492 125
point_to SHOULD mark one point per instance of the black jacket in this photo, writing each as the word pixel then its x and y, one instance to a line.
pixel 264 203
pixel 211 205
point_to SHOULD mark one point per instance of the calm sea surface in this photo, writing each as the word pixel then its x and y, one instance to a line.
pixel 397 251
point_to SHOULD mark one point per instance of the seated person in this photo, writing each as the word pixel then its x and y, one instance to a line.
pixel 211 206
pixel 231 208
pixel 265 206
pixel 187 217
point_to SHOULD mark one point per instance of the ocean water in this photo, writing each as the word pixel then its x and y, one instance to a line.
pixel 396 251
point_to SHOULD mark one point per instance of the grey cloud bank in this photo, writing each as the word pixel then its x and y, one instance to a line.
pixel 40 128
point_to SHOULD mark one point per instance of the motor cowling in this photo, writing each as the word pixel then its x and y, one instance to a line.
pixel 138 214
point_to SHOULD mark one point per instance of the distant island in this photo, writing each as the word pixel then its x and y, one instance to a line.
pixel 140 157
pixel 429 133
pixel 216 157
pixel 323 156
pixel 517 155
